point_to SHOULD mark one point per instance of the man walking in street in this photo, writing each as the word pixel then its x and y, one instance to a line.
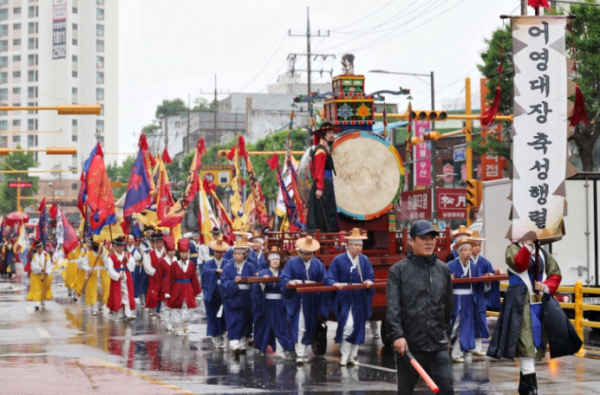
pixel 420 302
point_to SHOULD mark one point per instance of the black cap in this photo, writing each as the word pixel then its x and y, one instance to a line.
pixel 422 228
pixel 119 241
pixel 39 243
pixel 158 236
pixel 216 231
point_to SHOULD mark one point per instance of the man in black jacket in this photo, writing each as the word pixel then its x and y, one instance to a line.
pixel 420 301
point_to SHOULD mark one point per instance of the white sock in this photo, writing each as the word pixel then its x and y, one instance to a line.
pixel 478 344
pixel 527 365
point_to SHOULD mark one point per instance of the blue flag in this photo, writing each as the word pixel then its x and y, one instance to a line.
pixel 138 191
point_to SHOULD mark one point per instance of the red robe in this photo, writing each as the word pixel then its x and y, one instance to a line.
pixel 155 286
pixel 182 286
pixel 114 297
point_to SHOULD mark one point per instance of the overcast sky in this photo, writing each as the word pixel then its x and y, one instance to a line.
pixel 171 49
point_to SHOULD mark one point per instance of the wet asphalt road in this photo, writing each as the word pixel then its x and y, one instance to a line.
pixel 64 350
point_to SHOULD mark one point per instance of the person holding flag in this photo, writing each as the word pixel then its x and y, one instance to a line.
pixel 213 305
pixel 120 264
pixel 41 276
pixel 98 281
pixel 153 268
pixel 8 257
pixel 142 280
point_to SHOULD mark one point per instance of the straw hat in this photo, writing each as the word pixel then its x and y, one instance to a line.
pixel 257 236
pixel 218 245
pixel 241 244
pixel 461 231
pixel 356 235
pixel 476 237
pixel 308 244
pixel 294 252
pixel 242 234
pixel 461 242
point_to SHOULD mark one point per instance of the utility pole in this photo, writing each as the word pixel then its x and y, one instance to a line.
pixel 216 110
pixel 432 154
pixel 523 7
pixel 309 56
pixel 187 146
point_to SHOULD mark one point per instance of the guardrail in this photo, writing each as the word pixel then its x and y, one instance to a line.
pixel 578 306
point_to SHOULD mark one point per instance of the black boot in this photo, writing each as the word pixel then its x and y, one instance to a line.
pixel 528 384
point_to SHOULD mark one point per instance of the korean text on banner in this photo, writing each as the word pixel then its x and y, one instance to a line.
pixel 59 29
pixel 491 165
pixel 422 155
pixel 540 127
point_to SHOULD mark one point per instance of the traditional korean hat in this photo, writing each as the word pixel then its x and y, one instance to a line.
pixel 215 231
pixel 325 127
pixel 476 237
pixel 119 241
pixel 183 245
pixel 257 236
pixel 187 235
pixel 294 252
pixel 241 244
pixel 218 245
pixel 239 235
pixel 356 237
pixel 274 252
pixel 149 228
pixel 131 237
pixel 461 231
pixel 463 241
pixel 158 236
pixel 39 243
pixel 308 244
pixel 169 243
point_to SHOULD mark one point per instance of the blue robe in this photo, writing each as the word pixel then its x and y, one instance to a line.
pixel 237 301
pixel 215 326
pixel 140 286
pixel 341 271
pixel 483 267
pixel 194 254
pixel 466 305
pixel 493 295
pixel 269 316
pixel 261 262
pixel 311 302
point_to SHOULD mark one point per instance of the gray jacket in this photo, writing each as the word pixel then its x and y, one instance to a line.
pixel 420 301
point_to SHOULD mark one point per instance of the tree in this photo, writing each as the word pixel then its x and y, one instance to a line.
pixel 170 107
pixel 150 128
pixel 201 104
pixel 16 161
pixel 120 173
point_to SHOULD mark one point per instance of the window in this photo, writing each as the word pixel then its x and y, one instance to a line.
pixel 16 91
pixel 3 30
pixel 32 60
pixel 74 26
pixel 3 45
pixel 99 77
pixel 74 138
pixel 16 138
pixel 32 11
pixel 16 74
pixel 3 61
pixel 32 76
pixel 32 27
pixel 3 125
pixel 32 139
pixel 99 93
pixel 100 30
pixel 16 122
pixel 3 14
pixel 16 104
pixel 75 186
pixel 17 41
pixel 3 94
pixel 32 125
pixel 16 58
pixel 99 45
pixel 17 26
pixel 3 2
pixel 100 62
pixel 74 58
pixel 31 111
pixel 74 122
pixel 3 78
pixel 74 74
pixel 74 41
pixel 32 43
pixel 17 10
pixel 100 2
pixel 101 109
pixel 99 14
pixel 75 10
pixel 74 95
pixel 32 92
pixel 99 126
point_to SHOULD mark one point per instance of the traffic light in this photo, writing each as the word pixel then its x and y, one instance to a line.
pixel 222 153
pixel 472 194
pixel 429 115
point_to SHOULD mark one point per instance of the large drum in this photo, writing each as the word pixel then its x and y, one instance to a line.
pixel 369 175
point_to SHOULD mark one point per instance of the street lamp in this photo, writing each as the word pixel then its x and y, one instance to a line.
pixel 433 163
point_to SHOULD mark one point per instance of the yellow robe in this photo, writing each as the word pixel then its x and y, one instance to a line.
pixel 43 263
pixel 72 275
pixel 91 290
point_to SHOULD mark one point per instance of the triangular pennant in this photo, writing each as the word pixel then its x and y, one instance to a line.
pixel 517 70
pixel 518 46
pixel 510 195
pixel 559 45
pixel 571 86
pixel 516 91
pixel 513 133
pixel 561 190
pixel 509 233
pixel 516 173
pixel 518 110
pixel 514 214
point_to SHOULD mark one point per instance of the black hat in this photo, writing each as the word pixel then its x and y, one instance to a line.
pixel 422 228
pixel 119 241
pixel 157 236
pixel 325 127
pixel 216 231
pixel 39 243
pixel 149 227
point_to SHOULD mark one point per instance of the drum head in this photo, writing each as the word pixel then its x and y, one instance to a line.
pixel 369 175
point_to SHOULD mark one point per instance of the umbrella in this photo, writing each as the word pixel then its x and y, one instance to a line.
pixel 16 218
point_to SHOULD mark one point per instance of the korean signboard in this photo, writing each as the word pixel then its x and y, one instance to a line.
pixel 422 155
pixel 451 203
pixel 416 205
pixel 59 29
pixel 540 126
pixel 491 165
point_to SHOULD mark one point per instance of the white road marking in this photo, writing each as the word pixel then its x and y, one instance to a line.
pixel 364 365
pixel 43 332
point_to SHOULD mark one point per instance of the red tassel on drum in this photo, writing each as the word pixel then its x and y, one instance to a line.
pixel 539 3
pixel 488 117
pixel 578 114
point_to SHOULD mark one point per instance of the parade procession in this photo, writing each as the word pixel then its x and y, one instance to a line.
pixel 337 234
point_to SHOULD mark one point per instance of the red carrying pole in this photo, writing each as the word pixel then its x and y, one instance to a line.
pixel 345 288
pixel 422 372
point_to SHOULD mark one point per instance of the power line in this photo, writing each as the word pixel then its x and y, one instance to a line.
pixel 363 18
pixel 265 66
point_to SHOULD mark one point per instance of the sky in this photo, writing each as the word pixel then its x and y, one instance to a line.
pixel 172 49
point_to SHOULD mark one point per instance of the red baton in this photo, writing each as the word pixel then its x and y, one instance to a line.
pixel 422 372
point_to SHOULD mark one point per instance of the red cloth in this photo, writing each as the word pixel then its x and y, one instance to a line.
pixel 114 298
pixel 166 270
pixel 522 259
pixel 183 245
pixel 553 282
pixel 155 291
pixel 318 169
pixel 183 291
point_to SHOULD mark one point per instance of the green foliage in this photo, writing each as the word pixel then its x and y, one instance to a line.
pixel 120 173
pixel 201 104
pixel 170 107
pixel 151 128
pixel 8 196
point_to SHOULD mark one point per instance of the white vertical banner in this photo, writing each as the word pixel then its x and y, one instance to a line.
pixel 59 29
pixel 540 125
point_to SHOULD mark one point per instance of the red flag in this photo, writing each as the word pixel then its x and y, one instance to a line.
pixel 273 162
pixel 166 158
pixel 164 198
pixel 71 241
pixel 53 210
pixel 100 198
pixel 143 143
